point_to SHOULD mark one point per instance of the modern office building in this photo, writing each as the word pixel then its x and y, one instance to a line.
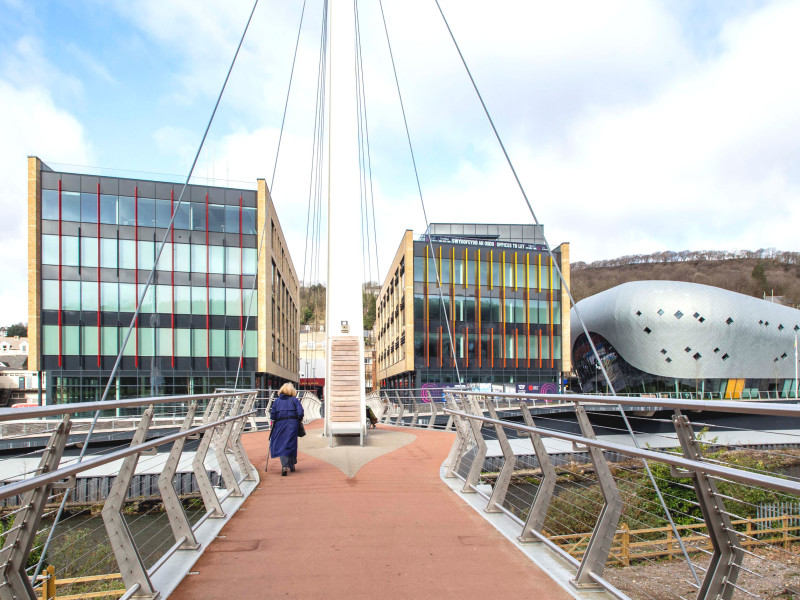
pixel 92 242
pixel 508 312
pixel 673 336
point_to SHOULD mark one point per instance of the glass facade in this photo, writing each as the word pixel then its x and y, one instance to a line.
pixel 490 306
pixel 100 237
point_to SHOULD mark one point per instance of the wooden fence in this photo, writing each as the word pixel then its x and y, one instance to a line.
pixel 50 584
pixel 633 544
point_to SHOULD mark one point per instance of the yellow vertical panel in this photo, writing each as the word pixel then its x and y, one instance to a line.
pixel 439 272
pixel 503 281
pixel 539 273
pixel 516 274
pixel 452 268
pixel 491 269
pixel 466 268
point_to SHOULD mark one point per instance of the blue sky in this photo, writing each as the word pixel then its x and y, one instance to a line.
pixel 636 126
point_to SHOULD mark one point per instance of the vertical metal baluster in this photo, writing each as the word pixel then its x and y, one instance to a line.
pixel 504 478
pixel 178 521
pixel 401 409
pixel 480 446
pixel 546 487
pixel 415 409
pixel 22 536
pixel 131 566
pixel 459 443
pixel 223 434
pixel 207 492
pixel 599 548
pixel 726 561
pixel 239 454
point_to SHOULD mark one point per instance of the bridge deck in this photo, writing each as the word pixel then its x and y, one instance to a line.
pixel 391 530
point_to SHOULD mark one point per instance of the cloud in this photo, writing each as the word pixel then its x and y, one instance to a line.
pixel 32 124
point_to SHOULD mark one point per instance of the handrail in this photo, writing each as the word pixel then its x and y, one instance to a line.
pixel 765 408
pixel 740 475
pixel 16 414
pixel 20 487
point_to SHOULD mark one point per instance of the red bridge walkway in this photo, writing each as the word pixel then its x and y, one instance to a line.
pixel 391 530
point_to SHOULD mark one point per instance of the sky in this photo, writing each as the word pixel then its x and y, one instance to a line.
pixel 635 126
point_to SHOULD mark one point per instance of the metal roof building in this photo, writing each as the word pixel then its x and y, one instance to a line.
pixel 674 336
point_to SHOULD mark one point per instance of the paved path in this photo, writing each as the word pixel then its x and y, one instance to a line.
pixel 391 530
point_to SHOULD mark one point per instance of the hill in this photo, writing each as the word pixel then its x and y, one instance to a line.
pixel 757 273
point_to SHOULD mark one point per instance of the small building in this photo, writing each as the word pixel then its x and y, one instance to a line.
pixel 480 302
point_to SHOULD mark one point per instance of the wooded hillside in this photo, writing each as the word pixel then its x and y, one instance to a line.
pixel 752 272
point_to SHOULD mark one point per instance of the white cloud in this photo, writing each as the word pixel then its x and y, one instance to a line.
pixel 32 124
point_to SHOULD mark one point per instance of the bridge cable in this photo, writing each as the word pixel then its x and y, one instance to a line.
pixel 366 137
pixel 566 286
pixel 268 198
pixel 140 300
pixel 422 201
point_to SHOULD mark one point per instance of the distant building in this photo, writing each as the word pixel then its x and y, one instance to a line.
pixel 14 345
pixel 671 336
pixel 91 247
pixel 507 309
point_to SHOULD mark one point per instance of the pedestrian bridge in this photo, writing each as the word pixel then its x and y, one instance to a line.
pixel 416 510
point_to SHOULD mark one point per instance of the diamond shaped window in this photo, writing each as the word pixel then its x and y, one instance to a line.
pixel 668 359
pixel 660 312
pixel 687 349
pixel 647 330
pixel 725 356
pixel 697 356
pixel 783 355
pixel 702 319
pixel 695 315
pixel 663 351
pixel 638 313
pixel 780 327
pixel 729 321
pixel 678 315
pixel 716 350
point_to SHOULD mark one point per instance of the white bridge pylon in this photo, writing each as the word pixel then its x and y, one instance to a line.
pixel 345 404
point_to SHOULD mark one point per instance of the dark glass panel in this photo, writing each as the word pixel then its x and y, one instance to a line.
pixel 89 207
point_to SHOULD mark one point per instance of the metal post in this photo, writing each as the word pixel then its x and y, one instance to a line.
pixel 472 406
pixel 207 492
pixel 546 487
pixel 401 409
pixel 414 410
pixel 459 446
pixel 131 566
pixel 239 454
pixel 178 521
pixel 726 561
pixel 599 548
pixel 22 535
pixel 509 462
pixel 221 446
pixel 434 412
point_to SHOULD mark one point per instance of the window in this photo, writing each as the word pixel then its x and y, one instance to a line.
pixel 49 294
pixel 149 301
pixel 69 251
pixel 49 249
pixel 126 208
pixel 147 341
pixel 697 356
pixel 249 256
pixel 702 319
pixel 146 216
pixel 127 297
pixel 638 313
pixel 687 349
pixel 183 342
pixel 108 209
pixel 183 215
pixel 109 296
pixel 647 330
pixel 678 314
pixel 183 300
pixel 89 295
pixel 216 296
pixel 50 205
pixel 109 342
pixel 216 218
pixel 725 356
pixel 71 295
pixel 146 255
pixel 660 312
pixel 249 221
pixel 71 336
pixel 217 342
pixel 163 213
pixel 89 341
pixel 181 257
pixel 89 208
pixel 729 321
pixel 695 315
pixel 663 351
pixel 164 340
pixel 163 299
pixel 233 302
pixel 88 252
pixel 127 254
pixel 50 339
pixel 165 261
pixel 199 300
pixel 232 219
pixel 70 206
pixel 668 359
pixel 233 261
pixel 234 342
pixel 716 350
pixel 216 259
pixel 198 258
pixel 199 342
pixel 108 253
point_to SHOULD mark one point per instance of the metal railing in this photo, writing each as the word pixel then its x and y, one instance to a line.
pixel 210 420
pixel 577 507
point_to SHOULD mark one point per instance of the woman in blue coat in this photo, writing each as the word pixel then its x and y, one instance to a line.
pixel 286 414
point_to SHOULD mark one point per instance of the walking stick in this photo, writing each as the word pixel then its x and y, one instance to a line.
pixel 266 467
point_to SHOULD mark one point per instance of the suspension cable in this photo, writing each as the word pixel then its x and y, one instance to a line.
pixel 565 284
pixel 422 201
pixel 268 197
pixel 140 300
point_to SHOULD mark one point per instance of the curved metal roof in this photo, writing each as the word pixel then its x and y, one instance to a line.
pixel 704 331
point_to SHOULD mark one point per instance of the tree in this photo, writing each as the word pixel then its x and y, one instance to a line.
pixel 20 329
pixel 759 277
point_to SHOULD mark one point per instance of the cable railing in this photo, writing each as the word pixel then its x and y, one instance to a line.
pixel 196 470
pixel 718 517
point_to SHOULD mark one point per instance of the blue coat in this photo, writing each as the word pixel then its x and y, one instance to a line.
pixel 286 414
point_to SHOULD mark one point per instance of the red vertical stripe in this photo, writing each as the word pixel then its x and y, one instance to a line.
pixel 550 294
pixel 208 308
pixel 241 287
pixel 98 274
pixel 172 273
pixel 60 261
pixel 441 348
pixel 491 345
pixel 540 348
pixel 479 347
pixel 136 270
pixel 516 349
